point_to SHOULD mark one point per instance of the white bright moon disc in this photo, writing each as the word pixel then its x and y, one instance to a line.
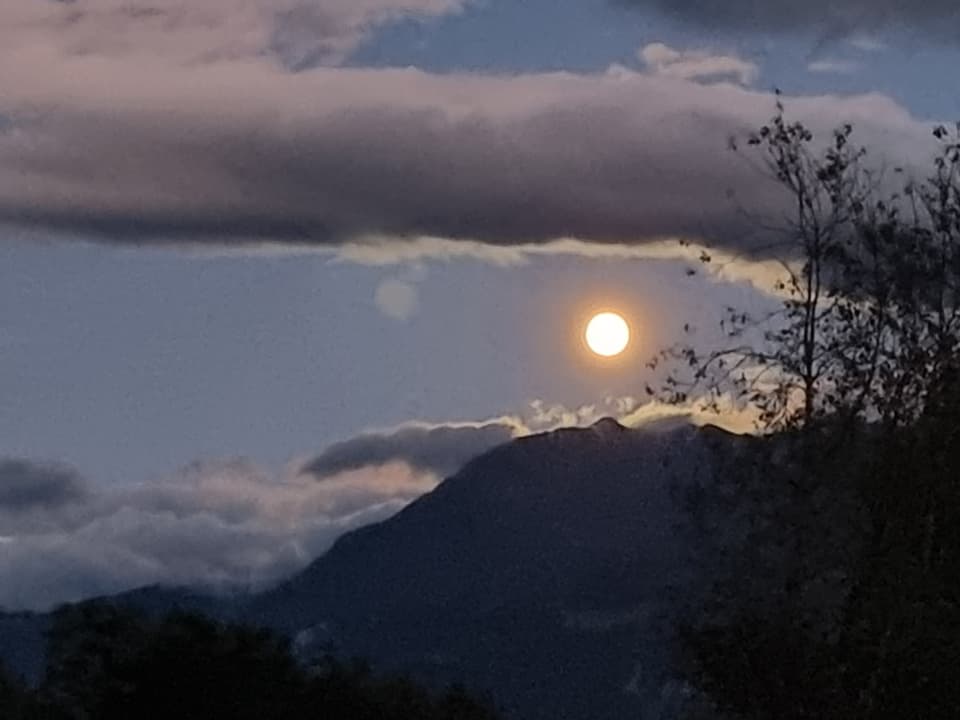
pixel 608 334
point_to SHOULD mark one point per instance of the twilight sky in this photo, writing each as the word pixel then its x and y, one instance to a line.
pixel 269 268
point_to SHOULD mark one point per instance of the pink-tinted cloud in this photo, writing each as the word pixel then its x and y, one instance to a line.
pixel 294 33
pixel 217 525
pixel 700 65
pixel 152 143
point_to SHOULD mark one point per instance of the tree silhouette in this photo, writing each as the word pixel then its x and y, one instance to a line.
pixel 15 699
pixel 869 312
pixel 107 662
pixel 859 371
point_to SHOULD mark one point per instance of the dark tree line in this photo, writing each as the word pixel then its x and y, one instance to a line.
pixel 856 377
pixel 109 663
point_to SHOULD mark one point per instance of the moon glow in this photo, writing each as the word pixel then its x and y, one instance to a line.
pixel 607 334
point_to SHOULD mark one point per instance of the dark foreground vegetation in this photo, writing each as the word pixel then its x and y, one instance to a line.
pixel 855 495
pixel 859 560
pixel 109 663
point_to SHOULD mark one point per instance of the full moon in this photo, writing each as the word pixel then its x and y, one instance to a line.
pixel 607 334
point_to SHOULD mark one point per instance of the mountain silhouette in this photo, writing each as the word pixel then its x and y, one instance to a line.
pixel 549 572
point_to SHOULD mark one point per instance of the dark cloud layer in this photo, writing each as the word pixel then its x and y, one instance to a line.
pixel 440 450
pixel 209 122
pixel 335 156
pixel 936 18
pixel 215 525
pixel 28 486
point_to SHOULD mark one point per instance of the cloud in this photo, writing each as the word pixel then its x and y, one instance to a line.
pixel 938 19
pixel 152 145
pixel 440 449
pixel 837 67
pixel 653 415
pixel 437 449
pixel 231 524
pixel 27 486
pixel 294 33
pixel 218 525
pixel 550 416
pixel 697 65
pixel 724 265
pixel 867 43
pixel 214 524
pixel 728 414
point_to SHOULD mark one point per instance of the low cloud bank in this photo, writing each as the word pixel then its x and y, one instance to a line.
pixel 231 524
pixel 216 525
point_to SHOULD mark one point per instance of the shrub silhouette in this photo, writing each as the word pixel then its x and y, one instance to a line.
pixel 111 663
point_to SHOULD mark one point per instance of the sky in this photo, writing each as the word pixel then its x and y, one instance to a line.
pixel 271 269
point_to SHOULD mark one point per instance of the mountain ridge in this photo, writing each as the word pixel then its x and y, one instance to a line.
pixel 577 533
pixel 548 570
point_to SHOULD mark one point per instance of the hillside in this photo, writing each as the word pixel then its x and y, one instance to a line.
pixel 549 571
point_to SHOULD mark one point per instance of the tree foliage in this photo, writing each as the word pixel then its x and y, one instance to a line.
pixel 14 697
pixel 869 313
pixel 106 662
pixel 857 375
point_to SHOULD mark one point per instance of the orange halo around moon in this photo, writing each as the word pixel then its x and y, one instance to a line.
pixel 607 334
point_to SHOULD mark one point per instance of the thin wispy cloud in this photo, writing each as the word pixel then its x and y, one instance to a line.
pixel 867 43
pixel 698 65
pixel 834 66
pixel 764 274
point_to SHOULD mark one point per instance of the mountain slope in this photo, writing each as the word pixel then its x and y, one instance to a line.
pixel 548 571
